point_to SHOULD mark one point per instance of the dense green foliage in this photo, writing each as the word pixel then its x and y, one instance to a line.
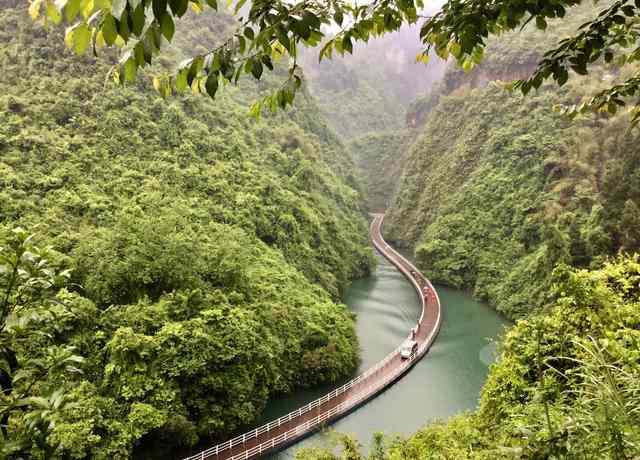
pixel 364 98
pixel 505 197
pixel 380 157
pixel 499 188
pixel 369 91
pixel 565 386
pixel 499 194
pixel 271 29
pixel 207 251
pixel 353 105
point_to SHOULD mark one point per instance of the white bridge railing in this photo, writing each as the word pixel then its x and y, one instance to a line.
pixel 360 394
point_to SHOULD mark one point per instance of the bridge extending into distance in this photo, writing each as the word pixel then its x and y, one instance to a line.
pixel 289 428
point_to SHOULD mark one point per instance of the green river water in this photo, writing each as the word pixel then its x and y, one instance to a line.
pixel 445 382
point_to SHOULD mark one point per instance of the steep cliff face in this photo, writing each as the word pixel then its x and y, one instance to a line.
pixel 498 189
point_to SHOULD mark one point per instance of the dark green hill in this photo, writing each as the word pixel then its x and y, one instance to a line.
pixel 209 251
pixel 498 189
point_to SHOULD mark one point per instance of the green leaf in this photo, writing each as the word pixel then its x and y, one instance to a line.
pixel 239 5
pixel 255 110
pixel 213 4
pixel 159 9
pixel 619 19
pixel 422 57
pixel 130 69
pixel 248 32
pixel 138 53
pixel 167 27
pixel 580 68
pixel 109 29
pixel 194 69
pixel 211 85
pixel 562 76
pixel 541 23
pixel 216 64
pixel 81 38
pixel 477 54
pixel 138 19
pixel 326 50
pixel 178 7
pixel 266 60
pixel 338 17
pixel 181 80
pixel 283 37
pixel 148 51
pixel 347 45
pixel 71 9
pixel 242 44
pixel 53 13
pixel 455 49
pixel 123 26
pixel 256 69
pixel 156 36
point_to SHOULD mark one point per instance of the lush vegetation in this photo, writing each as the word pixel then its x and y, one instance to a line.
pixel 195 257
pixel 367 93
pixel 566 386
pixel 353 103
pixel 537 215
pixel 271 29
pixel 380 157
pixel 364 98
pixel 499 188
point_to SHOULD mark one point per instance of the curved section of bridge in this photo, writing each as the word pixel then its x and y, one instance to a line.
pixel 287 429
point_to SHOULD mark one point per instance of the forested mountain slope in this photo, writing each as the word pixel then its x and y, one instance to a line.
pixel 364 97
pixel 379 157
pixel 539 216
pixel 498 189
pixel 208 251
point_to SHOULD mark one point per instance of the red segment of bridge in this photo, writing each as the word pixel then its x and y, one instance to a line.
pixel 297 424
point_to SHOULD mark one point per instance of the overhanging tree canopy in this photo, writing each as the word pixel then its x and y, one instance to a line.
pixel 269 30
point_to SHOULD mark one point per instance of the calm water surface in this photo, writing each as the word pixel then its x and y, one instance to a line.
pixel 445 382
